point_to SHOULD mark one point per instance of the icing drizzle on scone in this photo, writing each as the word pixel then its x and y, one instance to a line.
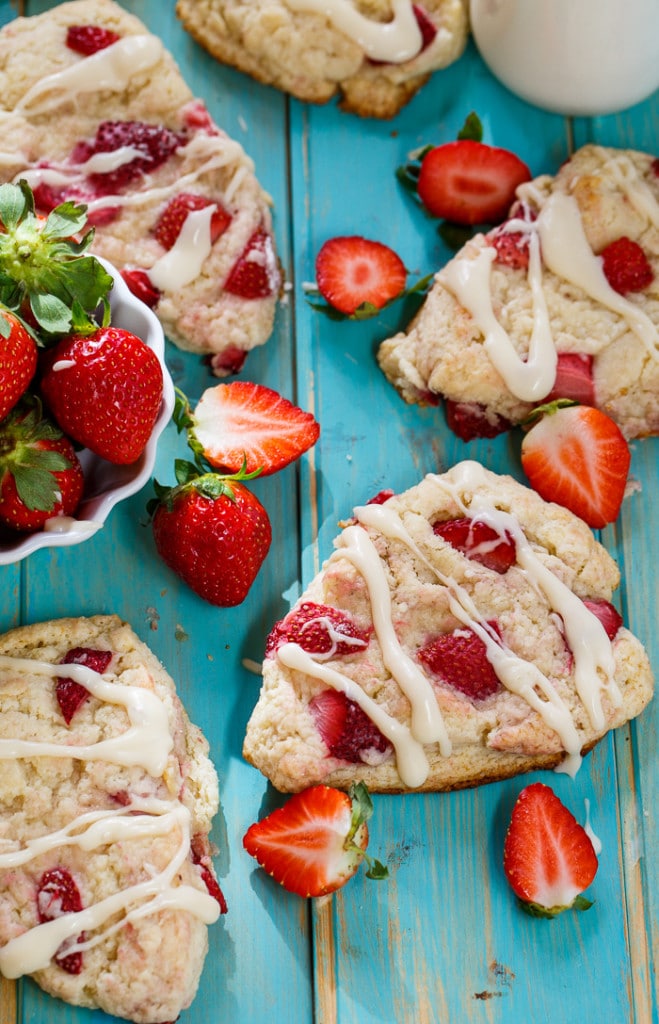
pixel 394 41
pixel 586 637
pixel 147 743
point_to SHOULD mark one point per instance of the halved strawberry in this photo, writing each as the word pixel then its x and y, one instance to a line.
pixel 577 456
pixel 255 274
pixel 548 857
pixel 626 267
pixel 243 422
pixel 346 730
pixel 469 182
pixel 460 660
pixel 173 217
pixel 478 541
pixel 315 843
pixel 318 629
pixel 352 272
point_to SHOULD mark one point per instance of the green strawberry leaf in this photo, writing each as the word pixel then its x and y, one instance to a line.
pixel 36 486
pixel 472 128
pixel 53 315
pixel 65 220
pixel 14 204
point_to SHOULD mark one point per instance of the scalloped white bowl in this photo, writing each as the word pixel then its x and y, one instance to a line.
pixel 105 483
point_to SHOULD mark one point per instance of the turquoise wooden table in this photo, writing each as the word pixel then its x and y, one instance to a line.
pixel 442 941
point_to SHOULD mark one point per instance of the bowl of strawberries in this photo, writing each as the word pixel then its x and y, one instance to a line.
pixel 84 389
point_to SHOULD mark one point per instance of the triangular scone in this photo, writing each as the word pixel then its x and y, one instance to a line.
pixel 316 51
pixel 108 848
pixel 67 120
pixel 459 634
pixel 542 272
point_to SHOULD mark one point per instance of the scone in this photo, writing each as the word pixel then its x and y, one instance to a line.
pixel 460 633
pixel 562 300
pixel 107 796
pixel 374 54
pixel 94 109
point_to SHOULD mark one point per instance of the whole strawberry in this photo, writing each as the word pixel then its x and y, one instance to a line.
pixel 212 531
pixel 104 389
pixel 40 475
pixel 18 361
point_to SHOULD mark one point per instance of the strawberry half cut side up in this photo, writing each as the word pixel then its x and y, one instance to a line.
pixel 478 541
pixel 58 894
pixel 578 457
pixel 316 842
pixel 71 695
pixel 548 857
pixel 250 425
pixel 319 629
pixel 346 730
pixel 356 274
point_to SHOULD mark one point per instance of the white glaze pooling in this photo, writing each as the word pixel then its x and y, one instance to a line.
pixel 147 742
pixel 394 41
pixel 109 69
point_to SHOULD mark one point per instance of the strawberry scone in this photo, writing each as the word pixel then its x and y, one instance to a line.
pixel 107 796
pixel 561 300
pixel 175 202
pixel 374 55
pixel 461 632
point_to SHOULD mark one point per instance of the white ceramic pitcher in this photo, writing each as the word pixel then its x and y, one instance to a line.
pixel 575 57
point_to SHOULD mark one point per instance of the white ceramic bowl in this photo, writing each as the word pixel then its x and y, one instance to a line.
pixel 105 483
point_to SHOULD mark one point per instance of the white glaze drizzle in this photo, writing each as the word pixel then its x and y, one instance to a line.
pixel 108 69
pixel 182 264
pixel 393 41
pixel 147 742
pixel 335 635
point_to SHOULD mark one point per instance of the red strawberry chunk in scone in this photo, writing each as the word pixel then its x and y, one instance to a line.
pixel 346 730
pixel 58 894
pixel 460 660
pixel 607 614
pixel 175 214
pixel 626 267
pixel 154 144
pixel 71 695
pixel 469 420
pixel 318 629
pixel 574 379
pixel 141 286
pixel 89 39
pixel 478 541
pixel 255 274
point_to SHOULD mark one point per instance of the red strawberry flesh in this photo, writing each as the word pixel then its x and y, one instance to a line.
pixel 469 420
pixel 318 629
pixel 478 541
pixel 607 614
pixel 346 730
pixel 173 217
pixel 574 379
pixel 255 274
pixel 71 695
pixel 352 271
pixel 89 39
pixel 58 894
pixel 155 145
pixel 626 267
pixel 243 421
pixel 460 660
pixel 548 857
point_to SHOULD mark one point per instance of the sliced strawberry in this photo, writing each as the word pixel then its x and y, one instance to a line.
pixel 318 629
pixel 71 695
pixel 460 660
pixel 574 379
pixel 548 858
pixel 58 894
pixel 578 457
pixel 346 730
pixel 315 843
pixel 469 420
pixel 478 541
pixel 140 285
pixel 89 39
pixel 608 615
pixel 626 267
pixel 255 274
pixel 243 422
pixel 173 217
pixel 469 182
pixel 352 271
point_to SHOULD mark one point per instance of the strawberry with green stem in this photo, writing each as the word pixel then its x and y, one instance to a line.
pixel 316 841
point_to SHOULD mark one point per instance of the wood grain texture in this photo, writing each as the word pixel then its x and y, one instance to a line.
pixel 442 941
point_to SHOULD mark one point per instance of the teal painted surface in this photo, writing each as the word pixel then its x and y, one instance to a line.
pixel 442 941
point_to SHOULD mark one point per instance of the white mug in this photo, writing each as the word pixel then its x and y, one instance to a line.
pixel 575 57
